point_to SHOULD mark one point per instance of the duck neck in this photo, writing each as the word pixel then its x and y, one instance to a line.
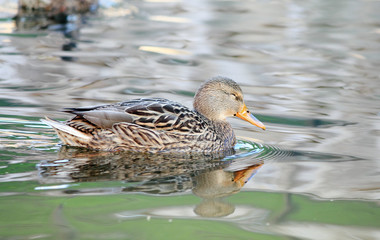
pixel 224 130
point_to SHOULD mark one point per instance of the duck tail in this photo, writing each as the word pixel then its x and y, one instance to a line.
pixel 64 130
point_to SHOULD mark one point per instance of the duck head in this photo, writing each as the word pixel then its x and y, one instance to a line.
pixel 220 98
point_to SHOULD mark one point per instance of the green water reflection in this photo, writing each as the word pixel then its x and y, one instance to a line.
pixel 89 217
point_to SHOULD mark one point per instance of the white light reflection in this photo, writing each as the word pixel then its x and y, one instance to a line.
pixel 54 187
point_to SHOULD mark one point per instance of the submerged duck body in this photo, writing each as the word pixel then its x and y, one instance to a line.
pixel 160 125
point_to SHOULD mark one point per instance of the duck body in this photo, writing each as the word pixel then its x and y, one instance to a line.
pixel 146 124
pixel 157 124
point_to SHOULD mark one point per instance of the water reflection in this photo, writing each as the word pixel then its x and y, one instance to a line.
pixel 83 165
pixel 215 185
pixel 205 175
pixel 34 14
pixel 65 17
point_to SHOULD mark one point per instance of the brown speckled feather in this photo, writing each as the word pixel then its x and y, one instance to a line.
pixel 153 113
pixel 154 125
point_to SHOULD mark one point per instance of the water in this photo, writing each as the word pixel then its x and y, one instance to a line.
pixel 309 70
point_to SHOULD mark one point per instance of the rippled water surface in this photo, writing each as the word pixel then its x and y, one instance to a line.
pixel 308 69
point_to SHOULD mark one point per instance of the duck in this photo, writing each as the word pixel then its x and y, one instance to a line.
pixel 159 125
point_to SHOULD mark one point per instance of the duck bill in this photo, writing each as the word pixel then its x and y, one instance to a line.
pixel 247 116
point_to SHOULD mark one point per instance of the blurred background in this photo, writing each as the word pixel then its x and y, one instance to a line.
pixel 309 71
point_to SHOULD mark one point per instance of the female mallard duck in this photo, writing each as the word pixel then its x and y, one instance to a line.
pixel 160 125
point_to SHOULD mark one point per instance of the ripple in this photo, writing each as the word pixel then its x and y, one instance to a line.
pixel 250 153
pixel 170 19
pixel 136 91
pixel 24 35
pixel 261 151
pixel 302 121
pixel 24 133
pixel 178 62
pixel 164 50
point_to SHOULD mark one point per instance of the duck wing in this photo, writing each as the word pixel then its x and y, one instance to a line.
pixel 151 113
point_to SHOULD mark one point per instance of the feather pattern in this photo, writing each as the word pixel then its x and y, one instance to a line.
pixel 146 124
pixel 153 113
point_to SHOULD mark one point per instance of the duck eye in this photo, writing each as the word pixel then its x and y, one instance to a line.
pixel 236 97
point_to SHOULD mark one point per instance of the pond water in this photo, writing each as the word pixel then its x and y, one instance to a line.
pixel 309 71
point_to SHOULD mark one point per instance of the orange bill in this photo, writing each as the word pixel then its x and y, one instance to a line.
pixel 247 116
pixel 242 177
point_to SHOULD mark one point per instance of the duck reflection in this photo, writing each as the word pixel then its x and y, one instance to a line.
pixel 215 185
pixel 205 175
